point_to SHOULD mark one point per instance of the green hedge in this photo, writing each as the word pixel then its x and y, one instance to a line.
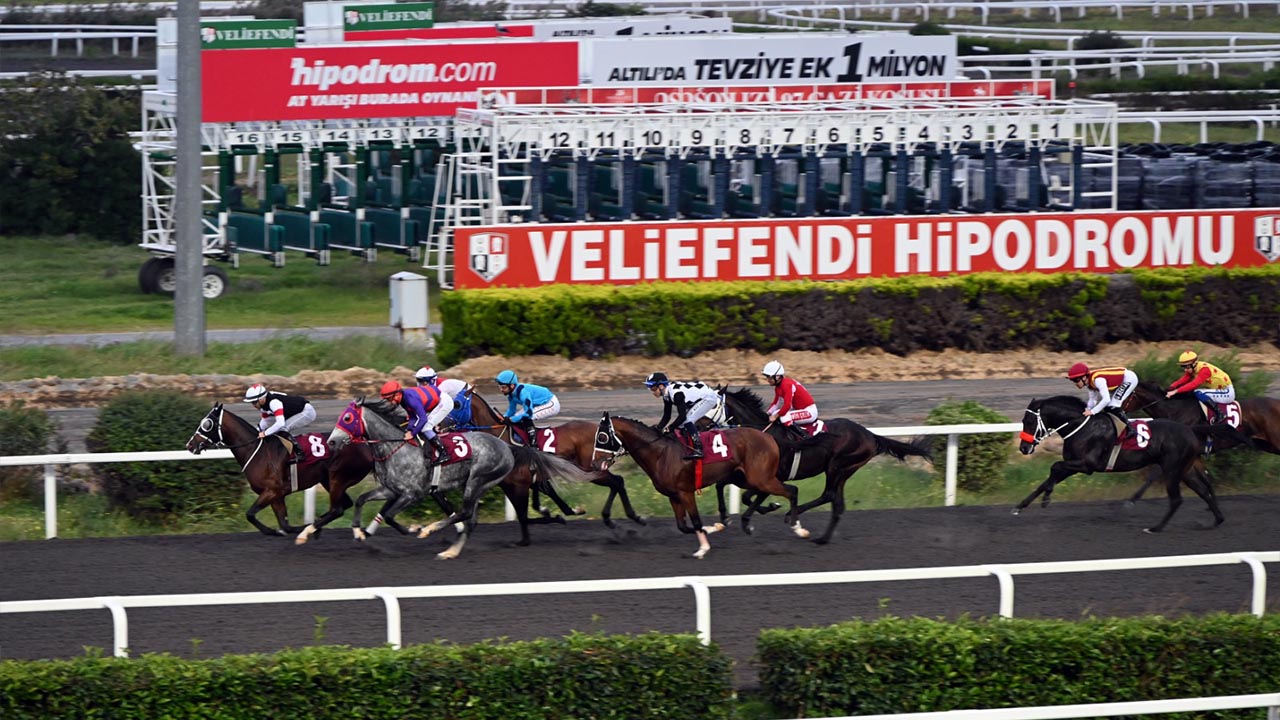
pixel 984 312
pixel 581 676
pixel 981 457
pixel 23 431
pixel 920 665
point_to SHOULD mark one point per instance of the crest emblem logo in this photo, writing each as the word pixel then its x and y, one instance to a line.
pixel 1266 237
pixel 488 253
pixel 208 34
pixel 352 17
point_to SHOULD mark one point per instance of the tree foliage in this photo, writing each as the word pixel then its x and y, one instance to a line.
pixel 67 164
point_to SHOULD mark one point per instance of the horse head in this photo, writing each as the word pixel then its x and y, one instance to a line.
pixel 607 442
pixel 208 433
pixel 747 408
pixel 350 426
pixel 1043 418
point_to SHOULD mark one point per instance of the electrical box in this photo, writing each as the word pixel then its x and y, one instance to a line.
pixel 409 306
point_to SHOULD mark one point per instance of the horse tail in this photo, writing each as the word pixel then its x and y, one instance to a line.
pixel 919 447
pixel 546 465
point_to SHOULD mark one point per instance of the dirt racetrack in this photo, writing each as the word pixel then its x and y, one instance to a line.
pixel 868 539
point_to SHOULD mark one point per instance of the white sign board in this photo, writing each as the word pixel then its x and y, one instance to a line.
pixel 641 26
pixel 812 58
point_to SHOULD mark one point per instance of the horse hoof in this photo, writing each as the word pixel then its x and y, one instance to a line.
pixel 424 534
pixel 718 526
pixel 446 555
pixel 639 520
pixel 749 529
pixel 701 553
pixel 1016 511
pixel 358 534
pixel 579 511
pixel 300 540
pixel 821 540
pixel 414 528
pixel 1130 504
pixel 801 533
pixel 560 520
pixel 1152 530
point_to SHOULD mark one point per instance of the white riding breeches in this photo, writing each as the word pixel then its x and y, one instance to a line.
pixel 546 409
pixel 1222 396
pixel 801 416
pixel 300 420
pixel 438 414
pixel 700 408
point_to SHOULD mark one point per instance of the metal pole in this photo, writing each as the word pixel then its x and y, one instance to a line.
pixel 50 503
pixel 188 298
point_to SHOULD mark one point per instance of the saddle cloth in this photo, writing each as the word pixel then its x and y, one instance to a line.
pixel 456 446
pixel 715 446
pixel 1229 413
pixel 315 447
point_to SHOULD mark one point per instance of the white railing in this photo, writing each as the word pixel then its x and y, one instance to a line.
pixel 701 586
pixel 55 35
pixel 953 433
pixel 1270 701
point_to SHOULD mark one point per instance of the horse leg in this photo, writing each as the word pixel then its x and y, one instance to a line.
pixel 378 493
pixel 519 499
pixel 281 510
pixel 550 491
pixel 793 512
pixel 265 498
pixel 464 518
pixel 339 501
pixel 690 507
pixel 1060 471
pixel 1148 477
pixel 837 503
pixel 1173 484
pixel 617 488
pixel 1198 480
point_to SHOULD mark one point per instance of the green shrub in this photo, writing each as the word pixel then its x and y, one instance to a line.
pixel 982 456
pixel 23 431
pixel 581 676
pixel 150 420
pixel 920 665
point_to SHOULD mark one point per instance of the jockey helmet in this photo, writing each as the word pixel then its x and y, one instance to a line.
pixel 1077 371
pixel 507 377
pixel 1188 357
pixel 390 390
pixel 656 379
pixel 255 392
pixel 773 368
pixel 426 374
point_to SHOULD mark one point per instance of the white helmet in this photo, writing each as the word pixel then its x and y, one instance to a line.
pixel 773 368
pixel 255 392
pixel 425 374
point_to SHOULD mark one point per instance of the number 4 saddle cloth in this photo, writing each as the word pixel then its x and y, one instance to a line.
pixel 715 446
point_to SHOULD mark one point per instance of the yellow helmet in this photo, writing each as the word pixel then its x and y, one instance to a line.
pixel 1188 356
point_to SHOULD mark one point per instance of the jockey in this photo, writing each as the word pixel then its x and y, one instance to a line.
pixel 692 401
pixel 458 390
pixel 426 407
pixel 526 402
pixel 1210 384
pixel 1108 389
pixel 791 402
pixel 281 414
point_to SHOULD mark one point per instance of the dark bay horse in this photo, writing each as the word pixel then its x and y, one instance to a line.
pixel 840 450
pixel 1258 420
pixel 573 441
pixel 265 464
pixel 742 456
pixel 479 463
pixel 1089 446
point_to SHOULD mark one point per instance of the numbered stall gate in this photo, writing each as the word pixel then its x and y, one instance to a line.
pixel 610 161
pixel 360 185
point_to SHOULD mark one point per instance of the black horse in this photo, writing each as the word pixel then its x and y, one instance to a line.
pixel 840 450
pixel 1089 446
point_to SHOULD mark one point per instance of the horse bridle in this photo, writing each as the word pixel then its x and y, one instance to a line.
pixel 363 437
pixel 1043 432
pixel 607 443
pixel 207 426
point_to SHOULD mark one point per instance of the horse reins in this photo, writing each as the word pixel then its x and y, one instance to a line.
pixel 1034 440
pixel 223 443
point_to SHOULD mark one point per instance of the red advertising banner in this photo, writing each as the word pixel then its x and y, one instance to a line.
pixel 771 93
pixel 855 247
pixel 372 81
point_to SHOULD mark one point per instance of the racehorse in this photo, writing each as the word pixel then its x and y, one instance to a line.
pixel 1089 446
pixel 573 440
pixel 1258 419
pixel 745 457
pixel 840 450
pixel 265 464
pixel 477 462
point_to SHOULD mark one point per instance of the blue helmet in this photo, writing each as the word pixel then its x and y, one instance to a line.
pixel 507 377
pixel 656 379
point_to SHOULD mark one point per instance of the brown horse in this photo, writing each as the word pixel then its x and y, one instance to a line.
pixel 747 458
pixel 573 441
pixel 1258 419
pixel 265 464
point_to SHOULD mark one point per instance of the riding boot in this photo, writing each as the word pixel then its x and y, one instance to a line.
pixel 1215 417
pixel 440 452
pixel 527 425
pixel 296 455
pixel 696 438
pixel 1128 424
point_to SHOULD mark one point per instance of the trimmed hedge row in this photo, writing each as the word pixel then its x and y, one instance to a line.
pixel 984 312
pixel 581 676
pixel 920 665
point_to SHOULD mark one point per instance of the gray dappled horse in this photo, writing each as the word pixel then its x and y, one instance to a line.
pixel 478 463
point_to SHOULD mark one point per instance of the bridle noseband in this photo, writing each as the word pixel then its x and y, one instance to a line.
pixel 1043 431
pixel 607 443
pixel 208 426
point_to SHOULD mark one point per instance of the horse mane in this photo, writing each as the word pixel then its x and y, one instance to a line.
pixel 390 413
pixel 750 402
pixel 641 423
pixel 1068 400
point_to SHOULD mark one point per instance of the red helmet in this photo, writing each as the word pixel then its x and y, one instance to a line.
pixel 390 389
pixel 1077 371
